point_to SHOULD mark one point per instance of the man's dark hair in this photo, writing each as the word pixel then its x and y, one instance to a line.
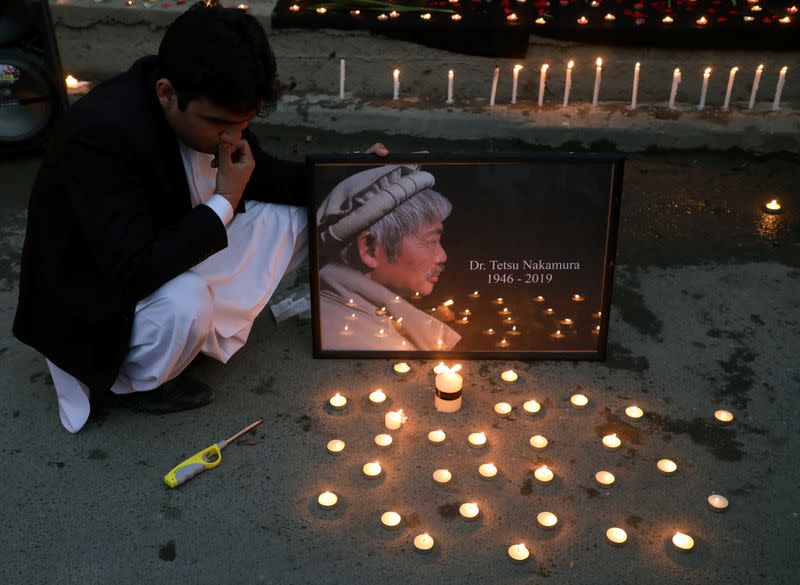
pixel 221 54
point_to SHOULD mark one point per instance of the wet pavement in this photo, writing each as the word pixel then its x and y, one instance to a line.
pixel 705 315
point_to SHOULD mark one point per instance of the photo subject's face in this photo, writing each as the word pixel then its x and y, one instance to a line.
pixel 419 262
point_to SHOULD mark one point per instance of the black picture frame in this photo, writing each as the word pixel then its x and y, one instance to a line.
pixel 553 214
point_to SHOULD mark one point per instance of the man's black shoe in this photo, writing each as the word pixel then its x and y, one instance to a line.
pixel 179 394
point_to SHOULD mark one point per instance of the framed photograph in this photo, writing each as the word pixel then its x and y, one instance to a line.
pixel 421 256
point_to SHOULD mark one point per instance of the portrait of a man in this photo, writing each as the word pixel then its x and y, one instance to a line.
pixel 380 236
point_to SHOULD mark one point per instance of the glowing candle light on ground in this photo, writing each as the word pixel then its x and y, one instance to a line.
pixel 498 301
pixel 756 83
pixel 381 333
pixel 396 85
pixel 598 74
pixel 579 401
pixel 723 417
pixel 372 470
pixel 437 436
pixel 776 103
pixel 477 440
pixel 450 77
pixel 542 81
pixel 377 396
pixel 729 90
pixel 543 474
pixel 683 542
pixel 335 446
pixel 773 207
pixel 538 299
pixel 390 520
pixel 488 471
pixel 351 303
pixel 518 553
pixel 509 376
pixel 442 476
pixel 612 442
pixel 635 91
pixel 673 92
pixel 568 84
pixel 666 466
pixel 383 440
pixel 546 520
pixel 616 536
pixel 567 322
pixel 423 543
pixel 717 502
pixel 704 88
pixel 346 331
pixel 474 295
pixel 337 401
pixel 394 419
pixel 549 311
pixel 538 442
pixel 502 408
pixel 489 331
pixel 327 500
pixel 514 83
pixel 634 412
pixel 504 311
pixel 401 368
pixel 493 94
pixel 503 343
pixel 531 407
pixel 557 335
pixel 604 479
pixel 469 511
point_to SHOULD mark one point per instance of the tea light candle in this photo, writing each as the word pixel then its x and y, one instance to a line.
pixel 723 417
pixel 377 396
pixel 351 303
pixel 352 317
pixel 578 298
pixel 381 334
pixel 502 408
pixel 437 436
pixel 546 520
pixel 503 343
pixel 474 295
pixel 423 543
pixel 666 466
pixel 616 536
pixel 611 442
pixel 538 442
pixel 383 440
pixel 327 500
pixel 488 471
pixel 466 313
pixel 549 311
pixel 442 476
pixel 394 419
pixel 337 401
pixel 489 331
pixel 542 81
pixel 469 511
pixel 509 376
pixel 498 301
pixel 596 330
pixel 683 542
pixel 335 446
pixel 518 553
pixel 557 335
pixel 372 470
pixel 634 412
pixel 604 479
pixel 390 520
pixel 477 440
pixel 773 207
pixel 531 407
pixel 717 503
pixel 543 474
pixel 538 299
pixel 567 322
pixel 401 368
pixel 579 401
pixel 504 311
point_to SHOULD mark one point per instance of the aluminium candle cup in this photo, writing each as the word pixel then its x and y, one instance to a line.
pixel 547 521
pixel 377 397
pixel 634 412
pixel 666 467
pixel 717 503
pixel 531 407
pixel 616 536
pixel 442 476
pixel 477 440
pixel 327 500
pixel 723 417
pixel 338 401
pixel 612 442
pixel 683 542
pixel 605 479
pixel 372 470
pixel 538 442
pixel 383 441
pixel 487 471
pixel 544 474
pixel 509 376
pixel 391 520
pixel 401 368
pixel 437 437
pixel 579 401
pixel 335 446
pixel 502 409
pixel 469 511
pixel 518 553
pixel 424 543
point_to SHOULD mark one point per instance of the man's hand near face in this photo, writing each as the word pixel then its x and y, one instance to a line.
pixel 234 164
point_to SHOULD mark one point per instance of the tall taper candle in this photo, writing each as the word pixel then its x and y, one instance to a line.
pixel 676 79
pixel 598 73
pixel 568 85
pixel 542 80
pixel 729 90
pixel 495 77
pixel 635 92
pixel 341 79
pixel 776 103
pixel 704 88
pixel 396 75
pixel 756 82
pixel 450 76
pixel 514 84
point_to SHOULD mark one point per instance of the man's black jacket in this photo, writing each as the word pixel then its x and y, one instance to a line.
pixel 110 220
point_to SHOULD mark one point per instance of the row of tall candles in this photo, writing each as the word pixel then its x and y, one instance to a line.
pixel 449 379
pixel 676 80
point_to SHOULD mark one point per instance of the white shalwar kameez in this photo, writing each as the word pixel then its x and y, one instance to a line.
pixel 211 307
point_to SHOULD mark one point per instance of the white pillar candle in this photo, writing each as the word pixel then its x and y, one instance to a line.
pixel 383 440
pixel 538 442
pixel 377 396
pixel 611 442
pixel 337 401
pixel 488 471
pixel 518 553
pixel 542 81
pixel 396 75
pixel 448 390
pixel 756 82
pixel 546 520
pixel 514 83
pixel 723 417
pixel 469 511
pixel 401 368
pixel 676 79
pixel 477 440
pixel 437 437
pixel 335 446
pixel 597 75
pixel 327 500
pixel 341 79
pixel 776 103
pixel 604 479
pixel 634 412
pixel 372 470
pixel 683 542
pixel 543 474
pixel 531 407
pixel 717 502
pixel 442 476
pixel 666 466
pixel 502 408
pixel 495 77
pixel 423 543
pixel 394 419
pixel 568 84
pixel 450 76
pixel 579 401
pixel 704 88
pixel 390 520
pixel 729 90
pixel 635 92
pixel 616 536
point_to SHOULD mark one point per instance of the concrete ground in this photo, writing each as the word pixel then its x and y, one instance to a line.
pixel 705 316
